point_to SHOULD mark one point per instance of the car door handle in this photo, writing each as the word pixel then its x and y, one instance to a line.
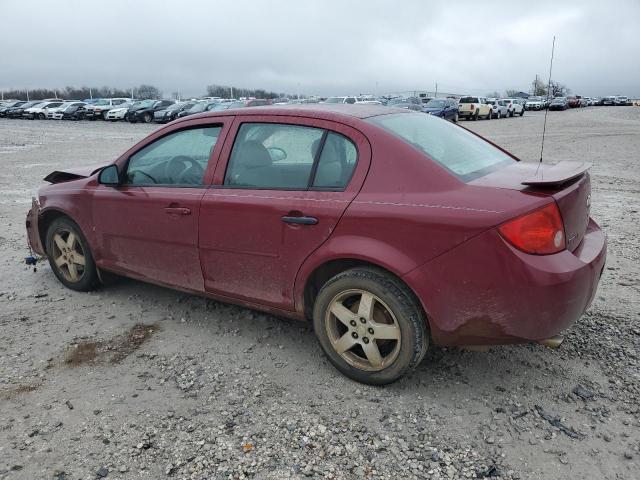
pixel 177 211
pixel 300 220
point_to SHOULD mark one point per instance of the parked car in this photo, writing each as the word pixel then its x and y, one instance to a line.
pixel 473 108
pixel 442 107
pixel 119 112
pixel 559 103
pixel 143 111
pixel 254 102
pixel 69 111
pixel 346 99
pixel 514 106
pixel 499 108
pixel 8 105
pixel 55 113
pixel 18 109
pixel 573 102
pixel 622 100
pixel 100 108
pixel 171 112
pixel 39 111
pixel 610 100
pixel 204 107
pixel 376 299
pixel 535 103
pixel 410 103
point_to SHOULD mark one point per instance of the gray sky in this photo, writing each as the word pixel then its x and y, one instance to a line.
pixel 321 47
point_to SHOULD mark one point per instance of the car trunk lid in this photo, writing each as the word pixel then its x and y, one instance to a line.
pixel 568 183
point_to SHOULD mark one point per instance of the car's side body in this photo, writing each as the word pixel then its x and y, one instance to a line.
pixel 430 229
pixel 446 108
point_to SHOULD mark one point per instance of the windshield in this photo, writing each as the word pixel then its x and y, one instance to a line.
pixel 236 105
pixel 461 152
pixel 219 106
pixel 102 101
pixel 198 107
pixel 334 100
pixel 397 101
pixel 469 100
pixel 436 104
pixel 144 104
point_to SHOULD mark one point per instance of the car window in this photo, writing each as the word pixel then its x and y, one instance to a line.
pixel 459 151
pixel 350 100
pixel 336 163
pixel 273 156
pixel 179 158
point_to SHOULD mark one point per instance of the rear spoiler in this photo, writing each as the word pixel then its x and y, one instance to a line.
pixel 557 174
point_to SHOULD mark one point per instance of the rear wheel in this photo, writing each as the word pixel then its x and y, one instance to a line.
pixel 499 114
pixel 455 118
pixel 70 256
pixel 522 112
pixel 148 118
pixel 370 326
pixel 476 115
pixel 41 116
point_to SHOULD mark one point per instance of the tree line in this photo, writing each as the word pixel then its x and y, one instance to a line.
pixel 226 91
pixel 142 92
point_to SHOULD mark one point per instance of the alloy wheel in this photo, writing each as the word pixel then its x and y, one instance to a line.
pixel 363 330
pixel 68 255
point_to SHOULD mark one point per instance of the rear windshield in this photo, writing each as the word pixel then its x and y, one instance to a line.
pixel 459 151
pixel 469 100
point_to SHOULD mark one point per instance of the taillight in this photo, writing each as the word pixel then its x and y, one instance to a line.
pixel 472 106
pixel 540 232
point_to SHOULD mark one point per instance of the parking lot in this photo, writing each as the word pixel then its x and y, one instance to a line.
pixel 138 381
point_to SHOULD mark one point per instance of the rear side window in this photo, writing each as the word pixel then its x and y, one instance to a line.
pixel 276 156
pixel 459 151
pixel 469 100
pixel 336 162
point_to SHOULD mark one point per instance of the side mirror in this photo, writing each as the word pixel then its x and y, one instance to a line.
pixel 109 176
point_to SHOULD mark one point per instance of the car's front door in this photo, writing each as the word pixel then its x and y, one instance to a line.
pixel 279 190
pixel 148 226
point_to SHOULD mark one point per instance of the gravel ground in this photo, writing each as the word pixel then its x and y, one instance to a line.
pixel 137 381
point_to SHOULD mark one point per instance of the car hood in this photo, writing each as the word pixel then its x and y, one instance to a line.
pixel 433 110
pixel 68 174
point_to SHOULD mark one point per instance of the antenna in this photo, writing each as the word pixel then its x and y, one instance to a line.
pixel 544 128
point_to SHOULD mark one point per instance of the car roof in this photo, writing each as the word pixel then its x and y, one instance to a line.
pixel 324 111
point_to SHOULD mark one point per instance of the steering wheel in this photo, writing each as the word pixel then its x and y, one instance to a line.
pixel 176 168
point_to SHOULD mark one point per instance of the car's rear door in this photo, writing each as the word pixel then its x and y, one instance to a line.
pixel 148 226
pixel 279 190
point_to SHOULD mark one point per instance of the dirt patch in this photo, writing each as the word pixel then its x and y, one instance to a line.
pixel 7 394
pixel 114 350
pixel 81 353
pixel 123 345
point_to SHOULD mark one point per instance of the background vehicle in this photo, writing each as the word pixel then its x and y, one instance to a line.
pixel 7 105
pixel 55 113
pixel 559 103
pixel 473 108
pixel 69 111
pixel 340 100
pixel 100 108
pixel 573 102
pixel 442 107
pixel 499 108
pixel 410 103
pixel 18 109
pixel 622 100
pixel 39 111
pixel 200 107
pixel 514 106
pixel 254 102
pixel 171 112
pixel 337 259
pixel 7 108
pixel 535 103
pixel 610 100
pixel 143 111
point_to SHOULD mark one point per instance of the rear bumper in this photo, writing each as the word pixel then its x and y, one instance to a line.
pixel 33 232
pixel 487 292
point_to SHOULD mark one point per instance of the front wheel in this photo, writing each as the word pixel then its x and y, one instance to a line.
pixel 455 118
pixel 370 326
pixel 41 116
pixel 70 256
pixel 148 118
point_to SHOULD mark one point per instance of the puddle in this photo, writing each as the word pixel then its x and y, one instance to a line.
pixel 114 350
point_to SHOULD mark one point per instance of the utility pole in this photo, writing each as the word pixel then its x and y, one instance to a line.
pixel 27 94
pixel 436 94
pixel 231 88
pixel 90 94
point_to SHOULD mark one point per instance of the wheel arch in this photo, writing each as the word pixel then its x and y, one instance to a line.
pixel 324 271
pixel 45 219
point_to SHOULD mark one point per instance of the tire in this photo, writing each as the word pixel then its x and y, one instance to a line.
pixel 455 118
pixel 64 253
pixel 476 115
pixel 499 116
pixel 522 112
pixel 42 116
pixel 510 114
pixel 489 115
pixel 148 118
pixel 396 313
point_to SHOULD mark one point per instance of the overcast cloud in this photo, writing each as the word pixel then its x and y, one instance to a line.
pixel 321 47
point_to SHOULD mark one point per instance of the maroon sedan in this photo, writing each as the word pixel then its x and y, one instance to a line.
pixel 388 229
